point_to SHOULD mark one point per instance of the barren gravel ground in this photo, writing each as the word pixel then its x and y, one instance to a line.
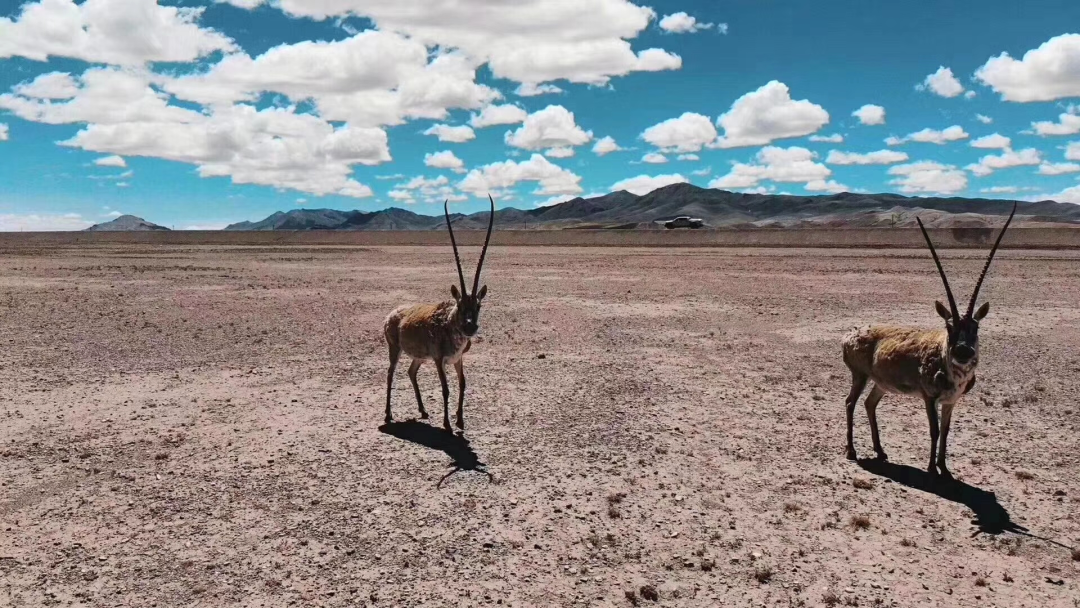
pixel 186 426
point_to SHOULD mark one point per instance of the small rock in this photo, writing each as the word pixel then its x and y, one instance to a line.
pixel 650 593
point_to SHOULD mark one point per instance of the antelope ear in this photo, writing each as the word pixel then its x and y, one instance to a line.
pixel 942 311
pixel 979 314
pixel 483 292
pixel 454 292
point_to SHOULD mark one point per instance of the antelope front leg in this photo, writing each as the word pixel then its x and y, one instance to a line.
pixel 858 383
pixel 460 368
pixel 871 412
pixel 445 395
pixel 946 421
pixel 932 415
pixel 416 387
pixel 395 352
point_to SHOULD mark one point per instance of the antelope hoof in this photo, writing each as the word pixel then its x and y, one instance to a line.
pixel 945 473
pixel 446 426
pixel 388 419
pixel 423 415
pixel 851 454
pixel 882 457
pixel 460 424
pixel 932 471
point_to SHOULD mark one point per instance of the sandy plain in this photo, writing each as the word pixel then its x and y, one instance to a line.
pixel 202 426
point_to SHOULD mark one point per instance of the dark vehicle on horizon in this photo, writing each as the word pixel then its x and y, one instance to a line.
pixel 684 221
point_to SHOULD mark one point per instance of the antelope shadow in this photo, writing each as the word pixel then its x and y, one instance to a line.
pixel 990 516
pixel 462 456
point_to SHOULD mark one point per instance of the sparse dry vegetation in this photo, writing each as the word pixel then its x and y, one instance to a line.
pixel 863 484
pixel 763 574
pixel 1025 475
pixel 860 522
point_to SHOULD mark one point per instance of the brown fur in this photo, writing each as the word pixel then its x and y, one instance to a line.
pixel 906 361
pixel 428 332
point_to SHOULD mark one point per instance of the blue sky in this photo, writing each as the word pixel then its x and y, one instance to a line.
pixel 198 114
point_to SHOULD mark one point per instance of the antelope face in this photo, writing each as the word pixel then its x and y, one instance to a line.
pixel 468 310
pixel 963 334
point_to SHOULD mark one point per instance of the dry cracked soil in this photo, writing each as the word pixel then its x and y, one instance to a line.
pixel 201 426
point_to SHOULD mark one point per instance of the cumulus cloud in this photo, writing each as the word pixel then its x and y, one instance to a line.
pixel 830 186
pixel 789 165
pixel 881 157
pixel 1047 73
pixel 508 114
pixel 116 32
pixel 552 127
pixel 768 114
pixel 703 172
pixel 995 141
pixel 654 158
pixel 1008 158
pixel 3 132
pixel 551 178
pixel 835 138
pixel 928 177
pixel 644 184
pixel 447 133
pixel 445 160
pixel 528 41
pixel 682 23
pixel 931 136
pixel 870 115
pixel 1058 168
pixel 687 133
pixel 42 222
pixel 111 161
pixel 564 152
pixel 401 196
pixel 1068 124
pixel 53 85
pixel 529 89
pixel 984 119
pixel 689 157
pixel 606 145
pixel 1072 151
pixel 942 82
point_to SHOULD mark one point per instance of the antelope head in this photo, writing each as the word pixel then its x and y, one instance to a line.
pixel 964 330
pixel 468 304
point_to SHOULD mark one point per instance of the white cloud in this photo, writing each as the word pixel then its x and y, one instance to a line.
pixel 790 165
pixel 984 119
pixel 273 147
pixel 1068 195
pixel 928 177
pixel 687 133
pixel 122 185
pixel 689 157
pixel 564 152
pixel 1072 151
pixel 445 160
pixel 551 178
pixel 114 213
pixel 1058 168
pixel 835 138
pixel 830 186
pixel 606 145
pixel 3 132
pixel 507 114
pixel 681 23
pixel 42 222
pixel 1009 158
pixel 1049 72
pixel 111 161
pixel 703 172
pixel 552 127
pixel 528 89
pixel 447 133
pixel 1068 124
pixel 870 115
pixel 970 95
pixel 654 158
pixel 881 157
pixel 942 82
pixel 117 32
pixel 995 141
pixel 931 136
pixel 401 196
pixel 53 85
pixel 644 184
pixel 767 114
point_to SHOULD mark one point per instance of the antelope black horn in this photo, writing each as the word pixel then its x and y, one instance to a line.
pixel 948 291
pixel 975 294
pixel 483 252
pixel 461 275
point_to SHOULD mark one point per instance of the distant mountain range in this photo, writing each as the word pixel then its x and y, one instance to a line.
pixel 125 223
pixel 718 208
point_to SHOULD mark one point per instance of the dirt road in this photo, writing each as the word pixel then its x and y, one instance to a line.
pixel 199 426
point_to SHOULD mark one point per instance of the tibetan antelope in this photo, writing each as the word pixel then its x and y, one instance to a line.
pixel 938 366
pixel 440 333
